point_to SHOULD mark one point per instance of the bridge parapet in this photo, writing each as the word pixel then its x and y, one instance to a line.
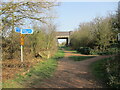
pixel 64 35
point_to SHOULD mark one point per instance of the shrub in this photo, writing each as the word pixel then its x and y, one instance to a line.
pixel 113 70
pixel 108 70
pixel 84 50
pixel 108 51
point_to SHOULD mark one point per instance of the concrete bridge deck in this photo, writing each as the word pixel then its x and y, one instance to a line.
pixel 64 35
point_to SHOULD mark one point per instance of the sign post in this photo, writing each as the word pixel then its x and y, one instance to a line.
pixel 21 53
pixel 26 31
pixel 22 43
pixel 22 32
pixel 17 30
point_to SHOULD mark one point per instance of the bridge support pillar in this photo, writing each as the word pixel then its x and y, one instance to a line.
pixel 67 41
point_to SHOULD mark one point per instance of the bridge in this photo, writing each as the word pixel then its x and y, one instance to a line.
pixel 64 35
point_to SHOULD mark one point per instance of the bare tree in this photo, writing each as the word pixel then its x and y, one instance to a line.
pixel 13 13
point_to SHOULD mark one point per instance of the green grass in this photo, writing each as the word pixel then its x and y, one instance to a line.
pixel 37 73
pixel 11 84
pixel 80 58
pixel 99 70
pixel 65 47
pixel 68 48
pixel 59 54
pixel 107 71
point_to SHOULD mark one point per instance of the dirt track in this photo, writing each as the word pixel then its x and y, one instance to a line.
pixel 72 74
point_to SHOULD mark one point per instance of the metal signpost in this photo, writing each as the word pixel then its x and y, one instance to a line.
pixel 17 30
pixel 22 43
pixel 22 32
pixel 26 31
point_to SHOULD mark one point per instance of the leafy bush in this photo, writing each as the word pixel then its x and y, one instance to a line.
pixel 108 51
pixel 99 70
pixel 84 50
pixel 113 70
pixel 108 70
pixel 41 43
pixel 11 47
pixel 99 33
pixel 94 51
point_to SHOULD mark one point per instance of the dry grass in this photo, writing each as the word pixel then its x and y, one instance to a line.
pixel 12 67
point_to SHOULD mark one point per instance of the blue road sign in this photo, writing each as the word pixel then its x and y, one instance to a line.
pixel 17 30
pixel 27 31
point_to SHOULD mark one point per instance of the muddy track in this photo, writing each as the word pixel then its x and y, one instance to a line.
pixel 72 74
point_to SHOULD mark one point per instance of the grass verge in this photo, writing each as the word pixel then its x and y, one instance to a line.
pixel 107 71
pixel 59 54
pixel 68 49
pixel 40 71
pixel 80 58
pixel 99 70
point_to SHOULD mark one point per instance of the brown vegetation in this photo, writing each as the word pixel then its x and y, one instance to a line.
pixel 41 44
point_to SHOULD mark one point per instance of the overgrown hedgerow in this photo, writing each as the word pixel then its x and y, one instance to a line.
pixel 108 71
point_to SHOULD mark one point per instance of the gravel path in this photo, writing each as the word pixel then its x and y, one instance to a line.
pixel 72 74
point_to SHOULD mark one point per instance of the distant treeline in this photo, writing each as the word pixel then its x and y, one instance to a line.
pixel 100 34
